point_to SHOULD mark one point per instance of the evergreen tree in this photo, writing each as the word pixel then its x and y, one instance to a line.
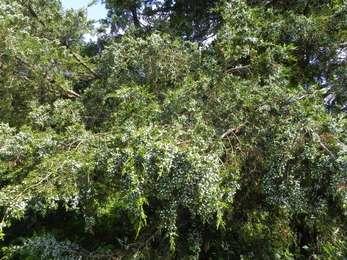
pixel 161 145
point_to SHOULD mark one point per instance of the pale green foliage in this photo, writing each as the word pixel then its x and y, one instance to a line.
pixel 33 60
pixel 166 149
pixel 47 247
pixel 157 60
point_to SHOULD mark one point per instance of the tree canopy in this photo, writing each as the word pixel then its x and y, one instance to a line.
pixel 192 129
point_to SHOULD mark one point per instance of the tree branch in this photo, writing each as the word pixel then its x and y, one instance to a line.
pixel 239 69
pixel 36 16
pixel 76 56
pixel 231 131
pixel 70 92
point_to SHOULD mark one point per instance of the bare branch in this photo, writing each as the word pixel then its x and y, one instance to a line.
pixel 231 131
pixel 239 69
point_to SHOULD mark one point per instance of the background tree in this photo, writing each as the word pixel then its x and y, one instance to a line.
pixel 192 20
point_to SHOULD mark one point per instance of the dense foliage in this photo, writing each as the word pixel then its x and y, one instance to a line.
pixel 194 129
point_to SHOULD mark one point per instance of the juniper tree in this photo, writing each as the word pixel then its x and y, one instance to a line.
pixel 160 146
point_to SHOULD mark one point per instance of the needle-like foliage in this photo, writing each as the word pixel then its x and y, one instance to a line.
pixel 194 130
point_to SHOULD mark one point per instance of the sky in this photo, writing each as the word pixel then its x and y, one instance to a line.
pixel 95 12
